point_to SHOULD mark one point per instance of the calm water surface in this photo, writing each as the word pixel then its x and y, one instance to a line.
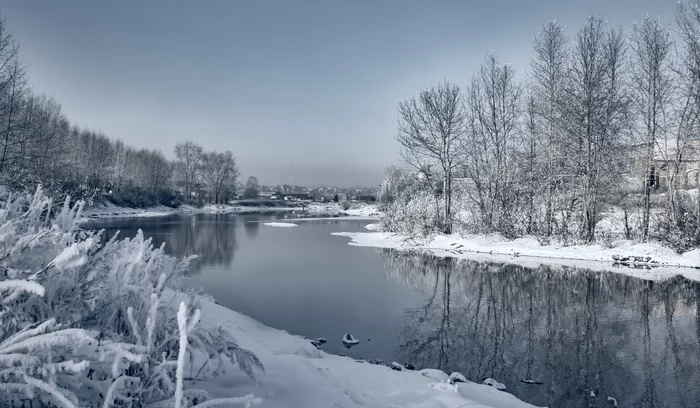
pixel 586 336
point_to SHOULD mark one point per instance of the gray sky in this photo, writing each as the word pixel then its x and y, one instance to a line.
pixel 307 89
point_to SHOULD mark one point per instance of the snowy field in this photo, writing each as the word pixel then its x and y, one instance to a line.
pixel 664 263
pixel 298 375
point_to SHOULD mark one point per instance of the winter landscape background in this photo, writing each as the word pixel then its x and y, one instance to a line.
pixel 534 241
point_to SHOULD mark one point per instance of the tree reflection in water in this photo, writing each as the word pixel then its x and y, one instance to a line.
pixel 585 335
pixel 212 237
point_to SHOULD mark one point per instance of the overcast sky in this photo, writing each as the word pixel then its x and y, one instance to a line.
pixel 302 89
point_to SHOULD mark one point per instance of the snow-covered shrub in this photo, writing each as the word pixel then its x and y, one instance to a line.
pixel 414 215
pixel 89 324
pixel 684 234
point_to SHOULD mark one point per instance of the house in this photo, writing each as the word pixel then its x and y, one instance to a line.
pixel 667 154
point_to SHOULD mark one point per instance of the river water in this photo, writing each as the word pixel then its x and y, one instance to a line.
pixel 583 337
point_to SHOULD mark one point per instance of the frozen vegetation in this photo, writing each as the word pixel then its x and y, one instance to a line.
pixel 90 323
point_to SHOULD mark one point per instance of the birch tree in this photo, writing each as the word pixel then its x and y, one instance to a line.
pixel 688 19
pixel 430 129
pixel 189 160
pixel 220 172
pixel 595 111
pixel 652 90
pixel 493 106
pixel 548 70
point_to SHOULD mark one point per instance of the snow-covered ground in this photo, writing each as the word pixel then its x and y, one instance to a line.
pixel 664 262
pixel 109 210
pixel 298 375
pixel 280 224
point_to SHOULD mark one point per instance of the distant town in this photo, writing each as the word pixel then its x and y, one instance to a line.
pixel 287 192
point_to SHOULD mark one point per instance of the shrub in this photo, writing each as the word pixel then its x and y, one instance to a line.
pixel 87 323
pixel 684 234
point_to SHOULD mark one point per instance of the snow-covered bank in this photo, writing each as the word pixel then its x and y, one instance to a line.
pixel 298 375
pixel 315 210
pixel 280 224
pixel 664 263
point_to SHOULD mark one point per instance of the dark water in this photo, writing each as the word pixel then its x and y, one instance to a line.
pixel 586 336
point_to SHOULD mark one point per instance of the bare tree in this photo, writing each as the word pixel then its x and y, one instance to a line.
pixel 595 111
pixel 494 111
pixel 688 19
pixel 430 129
pixel 219 171
pixel 652 88
pixel 189 160
pixel 548 72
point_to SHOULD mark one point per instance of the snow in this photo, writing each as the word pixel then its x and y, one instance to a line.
pixel 495 384
pixel 665 263
pixel 280 224
pixel 298 375
pixel 349 340
pixel 334 210
pixel 373 227
pixel 457 377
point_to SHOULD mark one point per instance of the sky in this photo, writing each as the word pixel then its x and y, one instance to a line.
pixel 300 91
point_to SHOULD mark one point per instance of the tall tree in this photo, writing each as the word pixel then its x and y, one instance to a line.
pixel 220 172
pixel 430 129
pixel 652 89
pixel 595 112
pixel 189 161
pixel 493 102
pixel 548 72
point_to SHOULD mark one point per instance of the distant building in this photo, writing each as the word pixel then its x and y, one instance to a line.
pixel 367 198
pixel 297 196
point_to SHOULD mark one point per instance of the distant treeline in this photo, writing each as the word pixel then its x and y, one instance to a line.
pixel 39 145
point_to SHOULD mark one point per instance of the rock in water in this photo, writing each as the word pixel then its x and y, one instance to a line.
pixel 457 377
pixel 396 366
pixel 495 384
pixel 433 374
pixel 349 341
pixel 409 366
pixel 321 340
pixel 316 343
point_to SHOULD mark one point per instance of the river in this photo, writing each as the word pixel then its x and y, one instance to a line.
pixel 582 337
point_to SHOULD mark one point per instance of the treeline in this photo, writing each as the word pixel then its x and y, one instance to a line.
pixel 604 121
pixel 39 145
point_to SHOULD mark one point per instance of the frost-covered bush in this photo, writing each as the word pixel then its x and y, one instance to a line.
pixel 85 323
pixel 683 234
pixel 415 215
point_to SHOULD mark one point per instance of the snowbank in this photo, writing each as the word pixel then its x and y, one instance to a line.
pixel 298 375
pixel 665 263
pixel 373 227
pixel 280 224
pixel 333 210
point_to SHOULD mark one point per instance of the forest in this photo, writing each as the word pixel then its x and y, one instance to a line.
pixel 598 140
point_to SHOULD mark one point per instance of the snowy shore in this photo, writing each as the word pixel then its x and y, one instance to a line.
pixel 104 211
pixel 298 375
pixel 664 263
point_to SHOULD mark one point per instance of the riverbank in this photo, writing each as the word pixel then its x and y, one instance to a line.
pixel 109 210
pixel 650 261
pixel 298 375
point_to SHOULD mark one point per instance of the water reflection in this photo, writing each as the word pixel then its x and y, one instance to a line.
pixel 586 336
pixel 212 237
